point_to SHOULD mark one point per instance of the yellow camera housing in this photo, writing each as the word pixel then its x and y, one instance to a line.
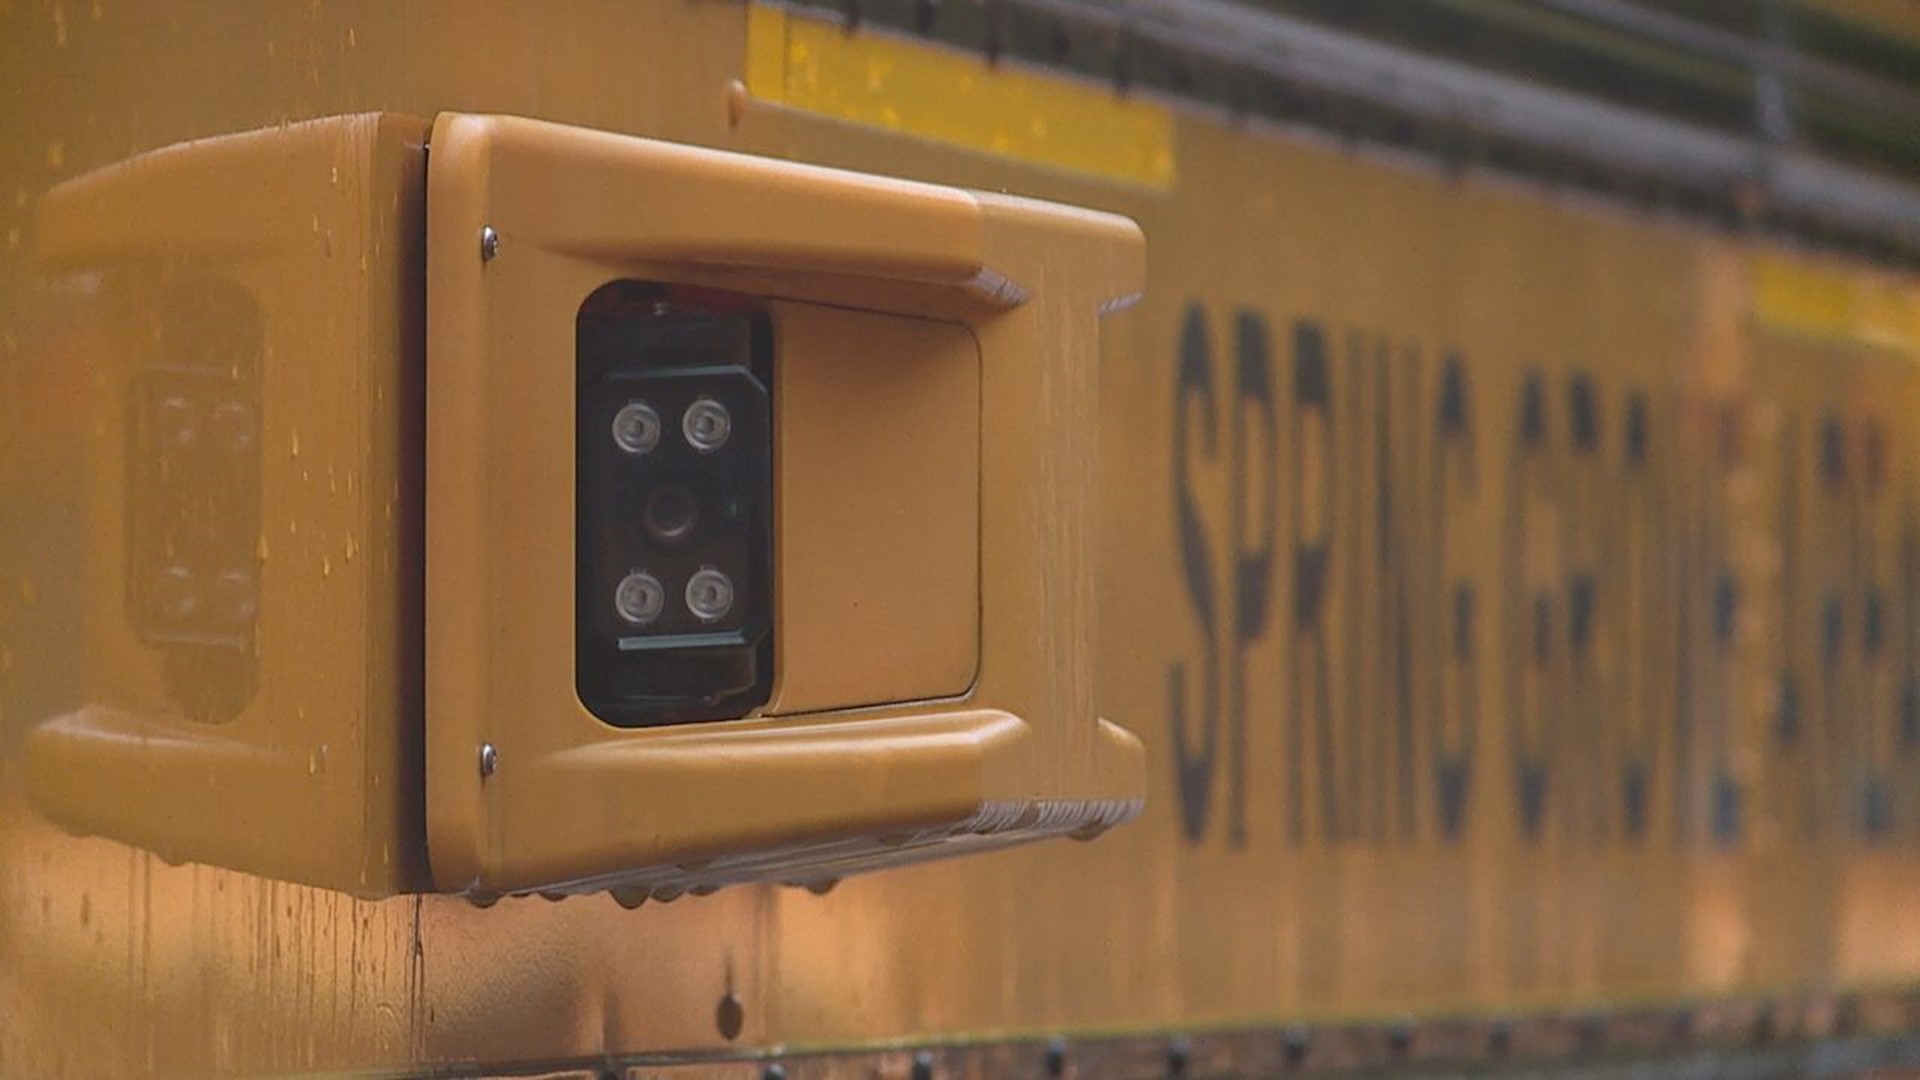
pixel 934 605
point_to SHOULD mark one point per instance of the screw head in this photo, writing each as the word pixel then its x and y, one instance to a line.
pixel 489 759
pixel 636 427
pixel 709 594
pixel 489 243
pixel 706 424
pixel 640 598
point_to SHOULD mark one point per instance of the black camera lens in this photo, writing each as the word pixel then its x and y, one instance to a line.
pixel 671 513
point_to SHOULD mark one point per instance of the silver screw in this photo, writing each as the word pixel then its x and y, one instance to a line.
pixel 706 425
pixel 489 243
pixel 709 594
pixel 639 598
pixel 489 759
pixel 636 427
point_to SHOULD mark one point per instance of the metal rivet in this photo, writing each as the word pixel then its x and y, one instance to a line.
pixel 1500 1039
pixel 1178 1055
pixel 730 1016
pixel 775 1071
pixel 1294 1044
pixel 489 243
pixel 1056 1056
pixel 737 101
pixel 923 1065
pixel 1591 1035
pixel 489 759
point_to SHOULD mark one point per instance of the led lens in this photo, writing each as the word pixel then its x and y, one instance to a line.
pixel 636 427
pixel 706 425
pixel 709 594
pixel 640 598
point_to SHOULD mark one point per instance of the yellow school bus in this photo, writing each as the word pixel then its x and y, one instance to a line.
pixel 960 538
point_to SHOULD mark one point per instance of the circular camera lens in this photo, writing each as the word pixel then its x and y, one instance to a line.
pixel 636 427
pixel 709 594
pixel 671 513
pixel 706 424
pixel 639 598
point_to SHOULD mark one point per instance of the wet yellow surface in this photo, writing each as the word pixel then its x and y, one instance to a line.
pixel 1518 596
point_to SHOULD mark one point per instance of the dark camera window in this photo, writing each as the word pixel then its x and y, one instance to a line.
pixel 673 506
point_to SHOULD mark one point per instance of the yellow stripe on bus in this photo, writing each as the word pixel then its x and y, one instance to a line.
pixel 1834 303
pixel 951 97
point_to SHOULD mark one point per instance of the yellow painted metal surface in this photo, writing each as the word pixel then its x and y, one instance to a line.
pixel 1656 754
pixel 901 86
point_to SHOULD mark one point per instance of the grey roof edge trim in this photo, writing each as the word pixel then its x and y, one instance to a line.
pixel 1444 91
